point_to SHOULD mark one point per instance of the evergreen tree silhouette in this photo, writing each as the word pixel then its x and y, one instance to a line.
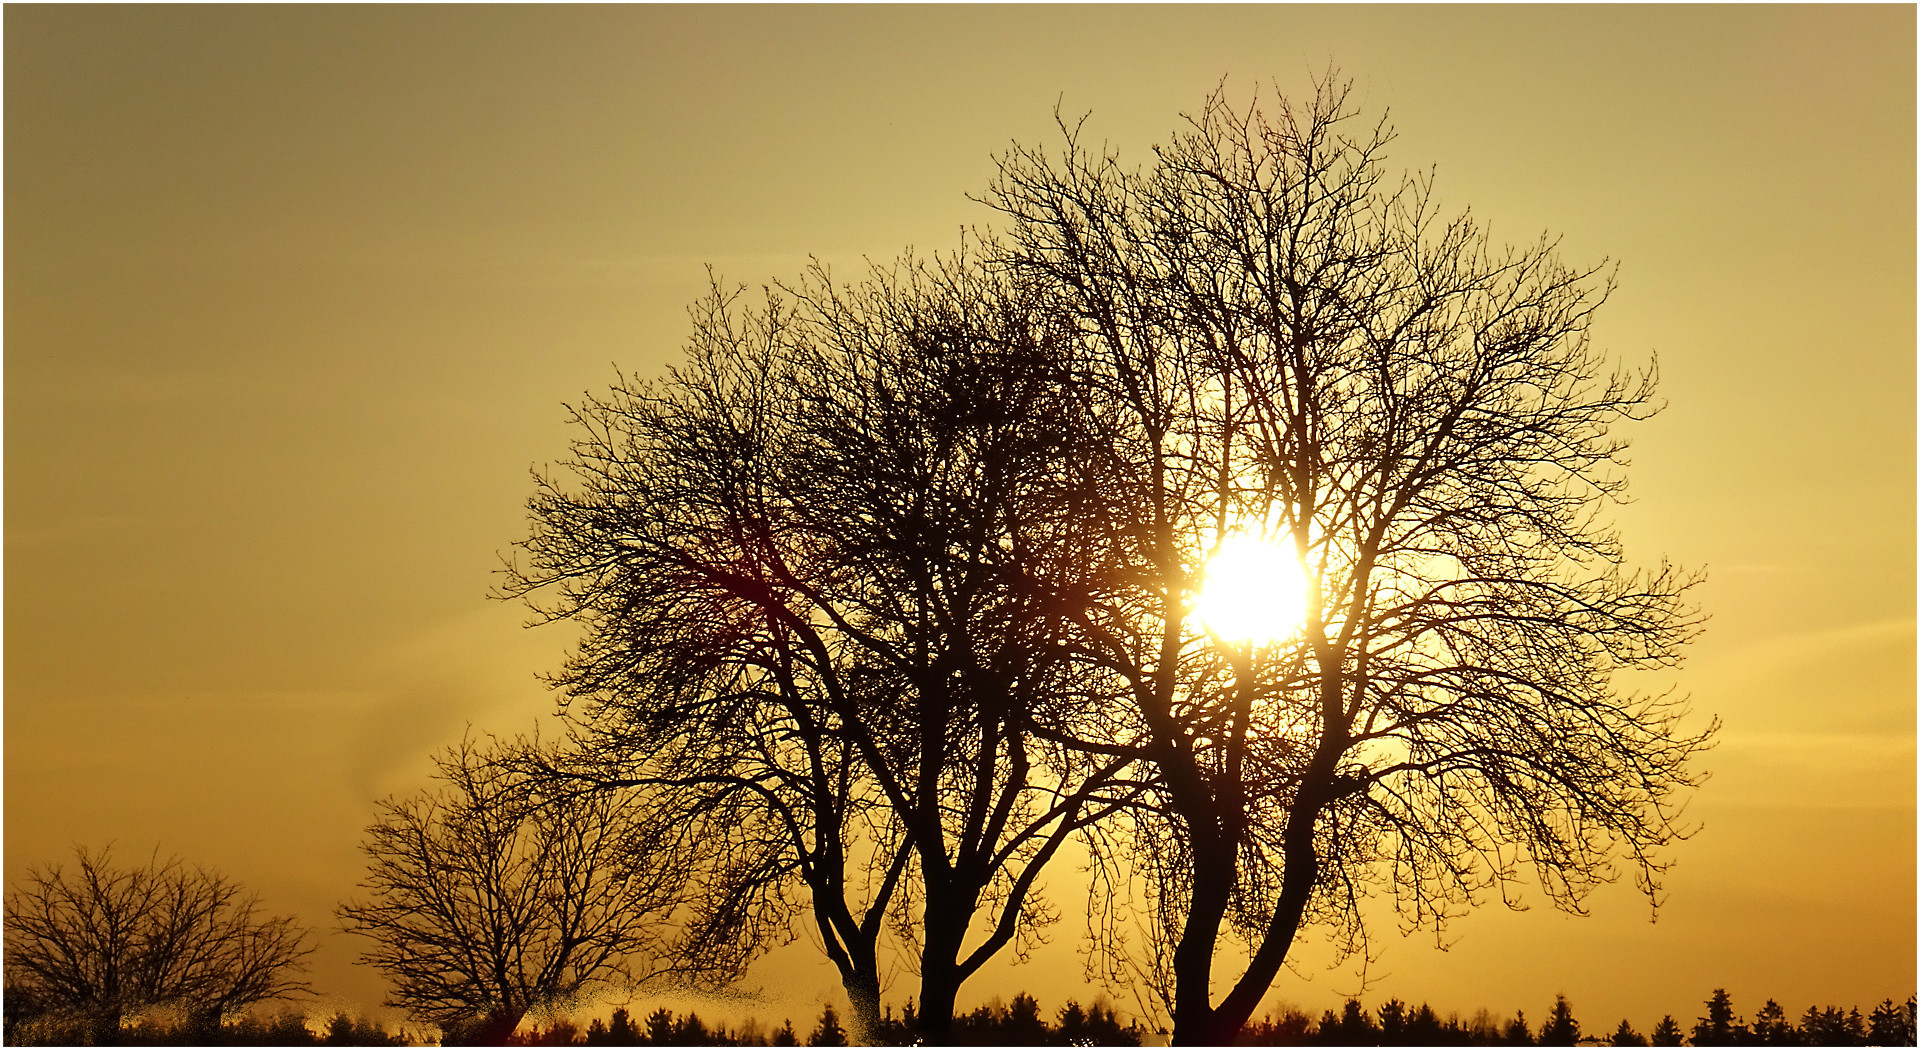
pixel 1424 1028
pixel 621 1030
pixel 1070 1023
pixel 1104 1028
pixel 1626 1036
pixel 1715 1029
pixel 895 1031
pixel 1287 1026
pixel 828 1031
pixel 1355 1027
pixel 1824 1027
pixel 660 1027
pixel 1771 1027
pixel 1023 1025
pixel 1667 1032
pixel 692 1032
pixel 1393 1022
pixel 1518 1034
pixel 785 1036
pixel 1561 1029
pixel 1890 1025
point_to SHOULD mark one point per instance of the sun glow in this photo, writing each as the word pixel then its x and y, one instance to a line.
pixel 1254 591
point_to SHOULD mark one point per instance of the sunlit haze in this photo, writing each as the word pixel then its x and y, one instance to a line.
pixel 296 296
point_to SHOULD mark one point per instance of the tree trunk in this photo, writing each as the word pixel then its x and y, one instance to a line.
pixel 863 1005
pixel 940 971
pixel 1193 1013
pixel 939 986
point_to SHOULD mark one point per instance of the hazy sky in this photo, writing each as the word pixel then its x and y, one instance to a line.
pixel 294 297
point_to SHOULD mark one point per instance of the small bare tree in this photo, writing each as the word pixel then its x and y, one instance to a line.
pixel 496 895
pixel 95 942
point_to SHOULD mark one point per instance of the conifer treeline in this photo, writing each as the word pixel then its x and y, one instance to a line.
pixel 1023 1023
pixel 1396 1024
pixel 1019 1023
pixel 1393 1023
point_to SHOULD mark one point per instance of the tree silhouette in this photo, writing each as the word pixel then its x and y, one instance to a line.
pixel 1891 1025
pixel 1771 1027
pixel 1393 1021
pixel 660 1027
pixel 490 897
pixel 1354 1026
pixel 1667 1032
pixel 1718 1028
pixel 1517 1033
pixel 1023 1025
pixel 1561 1029
pixel 827 1032
pixel 621 1030
pixel 817 566
pixel 692 1032
pixel 1624 1035
pixel 96 942
pixel 1426 1029
pixel 1283 342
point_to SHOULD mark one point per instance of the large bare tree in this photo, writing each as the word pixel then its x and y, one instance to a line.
pixel 801 562
pixel 96 942
pixel 492 896
pixel 1291 344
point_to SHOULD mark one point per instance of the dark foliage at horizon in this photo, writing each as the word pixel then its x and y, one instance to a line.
pixel 1020 1022
pixel 1023 1022
pixel 286 1028
pixel 1394 1023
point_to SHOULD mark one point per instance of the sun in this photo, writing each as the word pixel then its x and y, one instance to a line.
pixel 1254 591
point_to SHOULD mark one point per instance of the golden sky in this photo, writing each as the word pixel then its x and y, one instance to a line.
pixel 294 297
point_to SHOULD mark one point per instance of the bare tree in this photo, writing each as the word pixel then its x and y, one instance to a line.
pixel 490 897
pixel 1294 346
pixel 95 942
pixel 799 563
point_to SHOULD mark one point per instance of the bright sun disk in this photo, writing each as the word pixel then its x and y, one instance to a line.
pixel 1253 592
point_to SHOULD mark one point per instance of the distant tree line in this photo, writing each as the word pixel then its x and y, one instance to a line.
pixel 1394 1023
pixel 288 1027
pixel 1022 1022
pixel 1017 1023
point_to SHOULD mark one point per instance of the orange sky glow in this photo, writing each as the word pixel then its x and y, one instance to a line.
pixel 294 297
